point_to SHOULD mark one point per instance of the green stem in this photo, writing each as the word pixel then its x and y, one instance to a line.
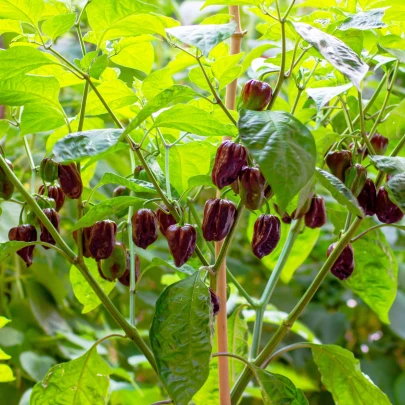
pixel 373 228
pixel 131 332
pixel 271 285
pixel 366 140
pixel 245 377
pixel 167 170
pixel 32 163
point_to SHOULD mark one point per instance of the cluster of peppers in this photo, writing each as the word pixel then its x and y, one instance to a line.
pixel 354 176
pixel 50 197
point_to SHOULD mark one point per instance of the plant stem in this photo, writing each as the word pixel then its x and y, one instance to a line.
pixel 363 126
pixel 131 332
pixel 373 228
pixel 271 285
pixel 295 313
pixel 32 163
pixel 167 170
pixel 285 350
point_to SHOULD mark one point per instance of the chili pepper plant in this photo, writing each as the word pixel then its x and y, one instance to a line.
pixel 142 145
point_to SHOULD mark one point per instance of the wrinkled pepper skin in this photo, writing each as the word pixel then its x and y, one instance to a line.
pixel 6 186
pixel 45 236
pixel 266 235
pixel 182 242
pixel 338 162
pixel 316 216
pixel 256 95
pixel 70 181
pixel 56 194
pixel 219 216
pixel 115 266
pixel 24 233
pixel 355 178
pixel 86 233
pixel 344 264
pixel 144 228
pixel 125 279
pixel 368 198
pixel 121 191
pixel 379 143
pixel 251 187
pixel 102 239
pixel 165 220
pixel 231 157
pixel 48 170
pixel 387 212
pixel 215 302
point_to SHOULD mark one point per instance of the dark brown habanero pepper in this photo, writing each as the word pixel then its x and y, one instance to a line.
pixel 316 216
pixel 164 219
pixel 70 181
pixel 215 302
pixel 338 162
pixel 24 233
pixel 344 264
pixel 386 211
pixel 229 160
pixel 368 198
pixel 251 187
pixel 219 216
pixel 182 242
pixel 256 95
pixel 266 235
pixel 102 239
pixel 56 194
pixel 86 233
pixel 54 218
pixel 144 228
pixel 125 279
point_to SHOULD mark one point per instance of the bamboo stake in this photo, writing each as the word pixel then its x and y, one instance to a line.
pixel 222 329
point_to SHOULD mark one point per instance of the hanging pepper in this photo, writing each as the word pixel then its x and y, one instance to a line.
pixel 338 162
pixel 355 178
pixel 24 233
pixel 266 235
pixel 368 198
pixel 229 160
pixel 115 266
pixel 165 220
pixel 215 302
pixel 86 233
pixel 256 95
pixel 316 216
pixel 219 216
pixel 251 187
pixel 121 191
pixel 379 143
pixel 48 170
pixel 344 264
pixel 6 186
pixel 125 279
pixel 102 239
pixel 144 228
pixel 70 181
pixel 55 193
pixel 45 236
pixel 182 242
pixel 387 212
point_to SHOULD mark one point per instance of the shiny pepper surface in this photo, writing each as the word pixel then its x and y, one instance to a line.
pixel 115 266
pixel 182 242
pixel 125 279
pixel 379 143
pixel 70 181
pixel 355 178
pixel 266 235
pixel 344 264
pixel 24 233
pixel 121 191
pixel 86 233
pixel 48 170
pixel 338 162
pixel 368 198
pixel 231 157
pixel 251 187
pixel 387 212
pixel 6 186
pixel 256 95
pixel 316 216
pixel 102 239
pixel 165 220
pixel 45 236
pixel 56 194
pixel 215 302
pixel 144 228
pixel 219 216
